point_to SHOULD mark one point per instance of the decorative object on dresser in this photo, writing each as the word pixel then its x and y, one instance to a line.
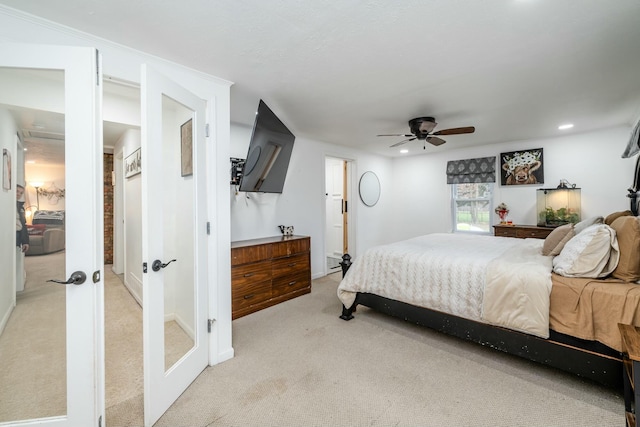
pixel 558 206
pixel 521 231
pixel 502 210
pixel 268 271
pixel 286 230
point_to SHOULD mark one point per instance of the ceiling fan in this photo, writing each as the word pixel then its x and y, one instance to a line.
pixel 422 129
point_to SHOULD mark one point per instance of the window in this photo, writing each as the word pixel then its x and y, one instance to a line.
pixel 472 204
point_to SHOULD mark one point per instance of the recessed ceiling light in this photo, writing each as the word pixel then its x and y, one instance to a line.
pixel 404 151
pixel 565 126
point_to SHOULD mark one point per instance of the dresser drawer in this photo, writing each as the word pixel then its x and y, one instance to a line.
pixel 290 247
pixel 285 285
pixel 536 233
pixel 247 254
pixel 290 265
pixel 248 294
pixel 506 232
pixel 251 273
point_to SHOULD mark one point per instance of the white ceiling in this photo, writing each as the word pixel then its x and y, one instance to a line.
pixel 344 71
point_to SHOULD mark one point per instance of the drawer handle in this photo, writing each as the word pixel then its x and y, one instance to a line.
pixel 293 283
pixel 249 296
pixel 249 274
pixel 293 264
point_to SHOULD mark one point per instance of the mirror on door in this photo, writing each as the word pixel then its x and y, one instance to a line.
pixel 33 322
pixel 177 193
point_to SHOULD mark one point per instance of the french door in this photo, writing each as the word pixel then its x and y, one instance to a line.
pixel 174 249
pixel 61 83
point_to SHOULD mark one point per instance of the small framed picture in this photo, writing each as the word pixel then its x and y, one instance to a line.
pixel 133 164
pixel 6 169
pixel 186 148
pixel 522 167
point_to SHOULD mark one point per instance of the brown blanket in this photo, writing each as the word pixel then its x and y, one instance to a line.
pixel 592 308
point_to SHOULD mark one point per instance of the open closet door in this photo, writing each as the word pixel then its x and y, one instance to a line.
pixel 62 383
pixel 174 248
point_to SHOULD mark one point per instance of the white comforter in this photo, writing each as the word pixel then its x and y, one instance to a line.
pixel 497 280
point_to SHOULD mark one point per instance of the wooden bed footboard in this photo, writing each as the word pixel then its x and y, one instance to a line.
pixel 586 359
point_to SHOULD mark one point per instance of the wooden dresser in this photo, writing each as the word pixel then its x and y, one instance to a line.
pixel 522 231
pixel 268 271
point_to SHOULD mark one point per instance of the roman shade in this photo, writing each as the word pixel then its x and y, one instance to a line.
pixel 482 169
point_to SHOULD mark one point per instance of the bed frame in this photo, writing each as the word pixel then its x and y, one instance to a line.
pixel 586 359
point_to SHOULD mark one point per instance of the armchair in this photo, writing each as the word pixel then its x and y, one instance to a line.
pixel 47 233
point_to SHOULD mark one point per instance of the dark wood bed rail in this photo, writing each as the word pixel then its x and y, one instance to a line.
pixel 586 359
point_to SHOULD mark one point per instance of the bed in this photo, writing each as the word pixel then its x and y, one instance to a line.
pixel 556 301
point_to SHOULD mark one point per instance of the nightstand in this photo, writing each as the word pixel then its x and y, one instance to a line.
pixel 521 231
pixel 631 373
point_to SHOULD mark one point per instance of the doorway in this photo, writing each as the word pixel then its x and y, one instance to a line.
pixel 338 218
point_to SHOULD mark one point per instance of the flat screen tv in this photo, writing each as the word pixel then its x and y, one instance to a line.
pixel 269 153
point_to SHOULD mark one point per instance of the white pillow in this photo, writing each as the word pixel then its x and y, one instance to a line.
pixel 587 222
pixel 591 253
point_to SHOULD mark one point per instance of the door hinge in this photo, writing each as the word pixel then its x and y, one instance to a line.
pixel 96 276
pixel 208 228
pixel 100 421
pixel 144 267
pixel 209 324
pixel 206 130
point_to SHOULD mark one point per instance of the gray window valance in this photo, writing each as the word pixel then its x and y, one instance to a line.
pixel 482 169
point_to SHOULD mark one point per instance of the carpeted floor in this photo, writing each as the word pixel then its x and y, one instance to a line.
pixel 298 364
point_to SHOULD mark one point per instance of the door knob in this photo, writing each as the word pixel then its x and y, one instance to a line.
pixel 76 278
pixel 157 264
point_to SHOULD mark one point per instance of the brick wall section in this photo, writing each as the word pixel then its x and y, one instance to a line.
pixel 108 209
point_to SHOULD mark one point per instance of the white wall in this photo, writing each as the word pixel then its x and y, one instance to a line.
pixel 302 202
pixel 8 131
pixel 123 63
pixel 415 198
pixel 132 207
pixel 50 176
pixel 590 160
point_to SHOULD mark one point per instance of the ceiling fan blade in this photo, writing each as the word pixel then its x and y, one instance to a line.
pixel 455 131
pixel 406 135
pixel 403 142
pixel 434 140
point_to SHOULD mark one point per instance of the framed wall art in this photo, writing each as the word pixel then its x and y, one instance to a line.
pixel 522 167
pixel 6 169
pixel 133 164
pixel 186 148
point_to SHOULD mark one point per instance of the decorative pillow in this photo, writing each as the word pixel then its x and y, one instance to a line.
pixel 556 240
pixel 592 253
pixel 36 229
pixel 628 234
pixel 612 217
pixel 587 222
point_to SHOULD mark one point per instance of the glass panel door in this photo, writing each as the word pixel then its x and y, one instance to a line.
pixel 174 241
pixel 50 333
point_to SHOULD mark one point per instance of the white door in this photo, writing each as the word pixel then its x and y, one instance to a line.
pixel 337 208
pixel 62 83
pixel 174 231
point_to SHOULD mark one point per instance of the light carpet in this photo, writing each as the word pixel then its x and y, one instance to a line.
pixel 298 364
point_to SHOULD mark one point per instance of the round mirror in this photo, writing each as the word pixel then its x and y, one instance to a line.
pixel 369 188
